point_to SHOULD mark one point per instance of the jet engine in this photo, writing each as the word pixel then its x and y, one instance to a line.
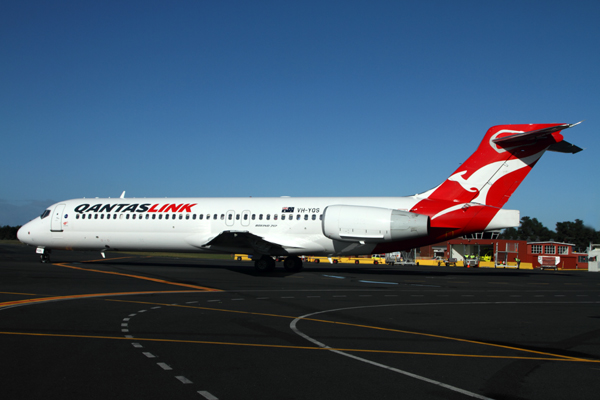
pixel 372 224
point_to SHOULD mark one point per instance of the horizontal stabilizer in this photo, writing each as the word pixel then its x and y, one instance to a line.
pixel 519 138
pixel 565 147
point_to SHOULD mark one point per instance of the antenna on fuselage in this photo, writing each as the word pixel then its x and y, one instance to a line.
pixel 122 195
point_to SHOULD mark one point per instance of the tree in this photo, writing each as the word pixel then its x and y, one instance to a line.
pixel 576 233
pixel 8 232
pixel 531 230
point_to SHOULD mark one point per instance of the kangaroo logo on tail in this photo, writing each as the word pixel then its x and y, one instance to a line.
pixel 487 179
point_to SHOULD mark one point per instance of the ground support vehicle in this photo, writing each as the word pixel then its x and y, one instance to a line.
pixel 549 262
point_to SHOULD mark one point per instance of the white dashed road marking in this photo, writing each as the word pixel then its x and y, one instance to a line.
pixel 207 395
pixel 164 366
pixel 184 380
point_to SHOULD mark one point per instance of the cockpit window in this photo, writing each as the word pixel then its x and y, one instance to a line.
pixel 45 214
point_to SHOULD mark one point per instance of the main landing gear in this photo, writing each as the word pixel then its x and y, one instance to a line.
pixel 292 264
pixel 266 264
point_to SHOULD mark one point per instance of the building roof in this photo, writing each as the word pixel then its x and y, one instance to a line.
pixel 552 242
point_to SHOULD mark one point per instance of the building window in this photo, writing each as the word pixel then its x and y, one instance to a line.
pixel 536 249
pixel 563 249
pixel 549 249
pixel 582 259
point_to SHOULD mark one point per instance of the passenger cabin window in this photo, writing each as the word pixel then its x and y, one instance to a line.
pixel 314 217
pixel 260 217
pixel 215 216
pixel 275 217
pixel 298 217
pixel 306 217
pixel 268 217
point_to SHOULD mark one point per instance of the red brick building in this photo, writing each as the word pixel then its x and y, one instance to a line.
pixel 505 252
pixel 568 259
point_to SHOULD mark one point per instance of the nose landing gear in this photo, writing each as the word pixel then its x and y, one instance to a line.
pixel 44 254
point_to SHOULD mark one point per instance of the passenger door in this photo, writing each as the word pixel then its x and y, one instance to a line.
pixel 57 216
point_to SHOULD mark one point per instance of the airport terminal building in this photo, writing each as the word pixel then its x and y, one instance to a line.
pixel 493 252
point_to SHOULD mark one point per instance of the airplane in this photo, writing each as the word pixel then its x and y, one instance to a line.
pixel 470 200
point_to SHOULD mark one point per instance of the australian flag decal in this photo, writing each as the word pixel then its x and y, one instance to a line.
pixel 287 209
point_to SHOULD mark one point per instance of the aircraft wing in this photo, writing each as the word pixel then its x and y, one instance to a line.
pixel 246 240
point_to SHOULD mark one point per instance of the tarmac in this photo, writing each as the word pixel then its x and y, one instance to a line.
pixel 132 326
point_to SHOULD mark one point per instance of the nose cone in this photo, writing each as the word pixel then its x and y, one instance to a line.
pixel 24 234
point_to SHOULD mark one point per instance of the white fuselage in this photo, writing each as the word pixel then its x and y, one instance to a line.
pixel 188 224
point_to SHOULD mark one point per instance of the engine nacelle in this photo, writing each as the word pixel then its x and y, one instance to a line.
pixel 372 224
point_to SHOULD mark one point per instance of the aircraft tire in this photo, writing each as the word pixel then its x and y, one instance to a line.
pixel 292 264
pixel 264 264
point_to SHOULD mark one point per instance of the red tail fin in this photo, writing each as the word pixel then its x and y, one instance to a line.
pixel 503 159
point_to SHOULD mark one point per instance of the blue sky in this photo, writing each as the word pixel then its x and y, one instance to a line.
pixel 272 98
